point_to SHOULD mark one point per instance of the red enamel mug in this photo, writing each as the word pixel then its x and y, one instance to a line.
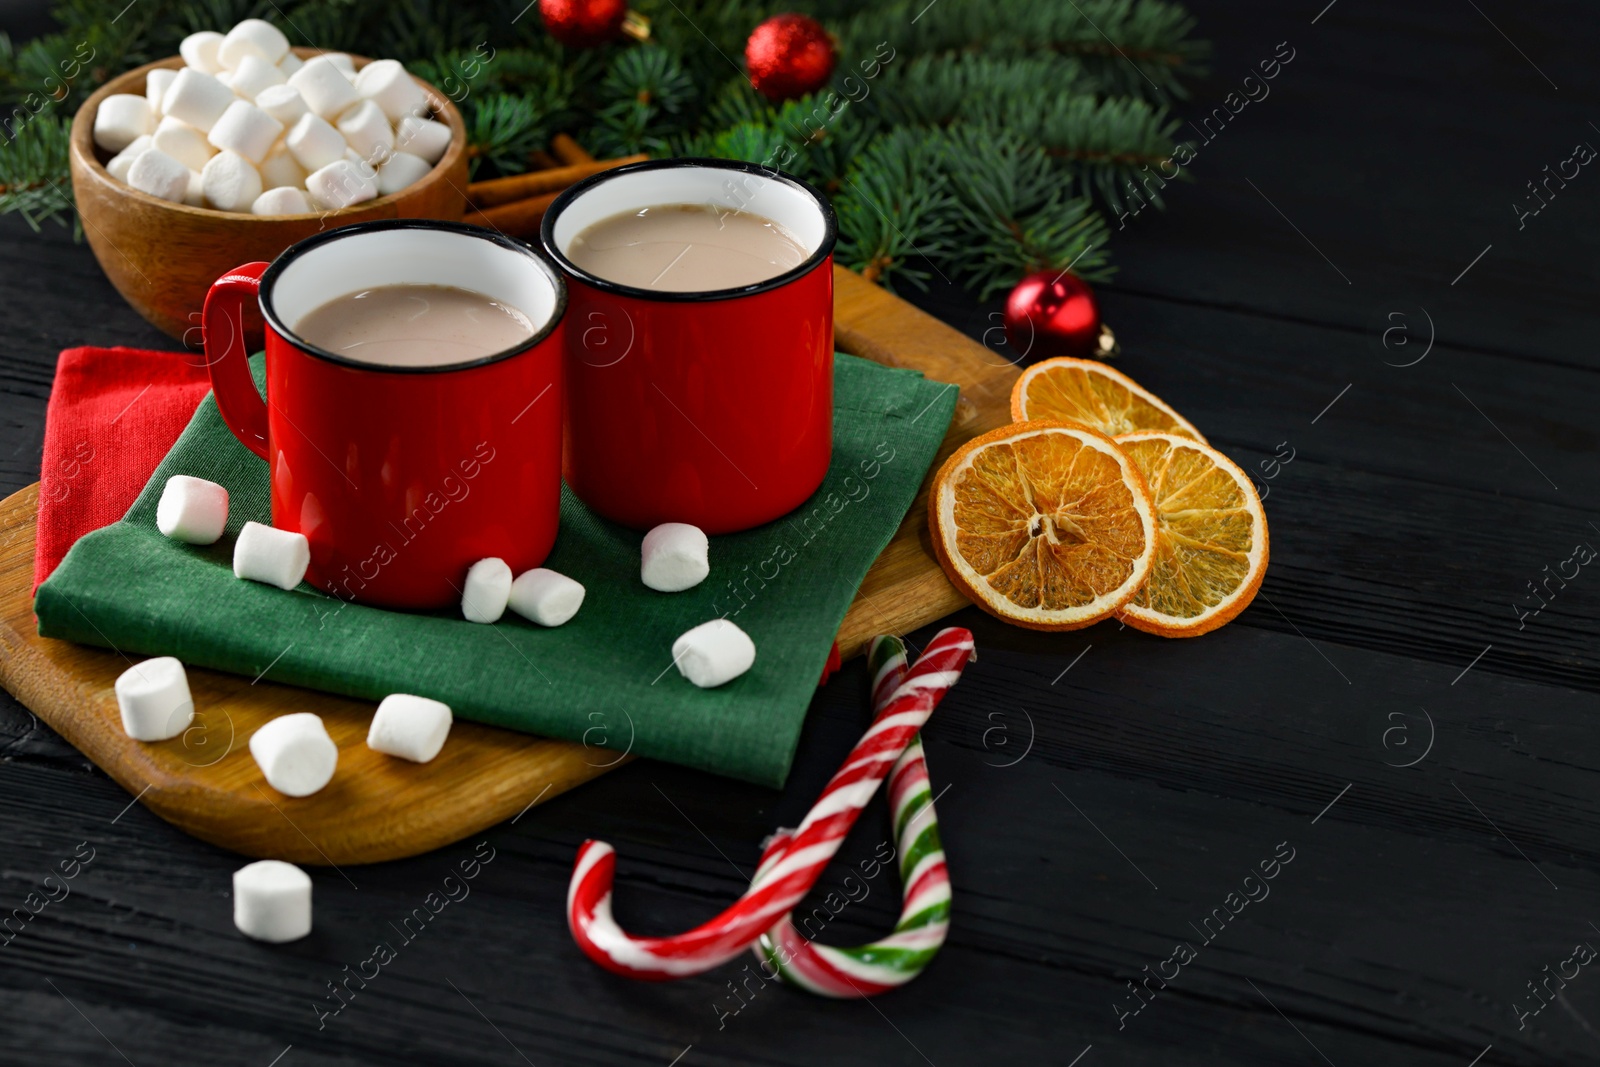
pixel 400 477
pixel 713 408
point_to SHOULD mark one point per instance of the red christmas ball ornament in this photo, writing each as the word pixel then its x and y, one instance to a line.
pixel 789 56
pixel 1054 313
pixel 583 23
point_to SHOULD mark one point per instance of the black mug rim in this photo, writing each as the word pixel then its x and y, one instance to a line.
pixel 830 235
pixel 270 276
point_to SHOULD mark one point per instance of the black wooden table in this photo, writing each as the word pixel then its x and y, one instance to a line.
pixel 1350 304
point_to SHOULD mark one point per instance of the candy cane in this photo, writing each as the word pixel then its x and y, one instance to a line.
pixel 808 851
pixel 867 970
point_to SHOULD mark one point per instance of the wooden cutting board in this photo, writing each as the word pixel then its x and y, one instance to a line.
pixel 379 808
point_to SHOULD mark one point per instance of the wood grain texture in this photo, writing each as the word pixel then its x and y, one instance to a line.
pixel 162 257
pixel 205 782
pixel 906 588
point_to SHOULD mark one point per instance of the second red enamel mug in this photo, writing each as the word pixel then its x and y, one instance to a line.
pixel 400 477
pixel 713 408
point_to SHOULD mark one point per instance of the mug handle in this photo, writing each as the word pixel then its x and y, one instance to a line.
pixel 228 337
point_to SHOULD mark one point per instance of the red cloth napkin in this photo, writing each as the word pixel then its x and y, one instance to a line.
pixel 113 415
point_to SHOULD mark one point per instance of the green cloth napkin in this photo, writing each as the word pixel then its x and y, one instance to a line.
pixel 602 677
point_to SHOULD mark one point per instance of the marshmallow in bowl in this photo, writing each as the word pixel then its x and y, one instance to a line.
pixel 400 170
pixel 199 51
pixel 252 75
pixel 158 174
pixel 422 137
pixel 197 98
pixel 282 200
pixel 248 93
pixel 367 132
pixel 386 83
pixel 327 91
pixel 281 168
pixel 119 164
pixel 341 184
pixel 247 130
pixel 122 119
pixel 156 84
pixel 314 142
pixel 284 103
pixel 252 37
pixel 230 182
pixel 182 142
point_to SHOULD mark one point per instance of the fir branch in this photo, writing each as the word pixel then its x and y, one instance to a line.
pixel 897 189
pixel 33 161
pixel 505 130
pixel 1014 212
pixel 648 93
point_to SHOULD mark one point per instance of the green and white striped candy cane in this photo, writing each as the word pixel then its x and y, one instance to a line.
pixel 867 970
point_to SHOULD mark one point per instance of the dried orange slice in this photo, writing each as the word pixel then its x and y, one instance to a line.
pixel 1092 393
pixel 1044 524
pixel 1211 537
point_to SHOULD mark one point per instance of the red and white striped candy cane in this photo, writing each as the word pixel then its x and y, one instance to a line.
pixel 810 848
pixel 890 962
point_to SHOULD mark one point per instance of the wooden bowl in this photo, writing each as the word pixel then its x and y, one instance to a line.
pixel 162 256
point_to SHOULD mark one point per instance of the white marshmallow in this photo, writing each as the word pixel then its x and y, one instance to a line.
pixel 422 137
pixel 197 98
pixel 365 129
pixel 230 182
pixel 341 60
pixel 280 168
pixel 412 728
pixel 713 653
pixel 252 37
pixel 158 174
pixel 314 142
pixel 342 183
pixel 196 194
pixel 226 78
pixel 290 63
pixel 282 102
pixel 276 557
pixel 325 87
pixel 119 164
pixel 272 901
pixel 545 596
pixel 154 699
pixel 182 142
pixel 400 170
pixel 674 557
pixel 487 590
pixel 247 130
pixel 295 753
pixel 122 119
pixel 199 51
pixel 386 83
pixel 283 200
pixel 156 84
pixel 192 510
pixel 252 75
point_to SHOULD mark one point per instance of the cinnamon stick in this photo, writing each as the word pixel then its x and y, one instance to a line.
pixel 518 219
pixel 497 191
pixel 569 151
pixel 539 159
